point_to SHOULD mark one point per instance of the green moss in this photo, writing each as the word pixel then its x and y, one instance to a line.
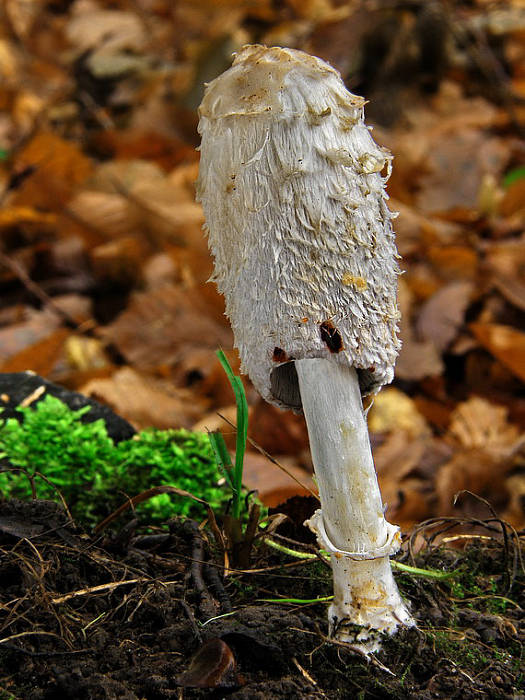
pixel 95 475
pixel 464 655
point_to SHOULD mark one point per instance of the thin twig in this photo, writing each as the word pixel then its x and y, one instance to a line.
pixel 19 271
pixel 104 587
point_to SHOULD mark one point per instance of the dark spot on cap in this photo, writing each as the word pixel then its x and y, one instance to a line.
pixel 372 369
pixel 331 336
pixel 279 355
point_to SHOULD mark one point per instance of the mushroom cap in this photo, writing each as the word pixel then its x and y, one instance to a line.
pixel 292 188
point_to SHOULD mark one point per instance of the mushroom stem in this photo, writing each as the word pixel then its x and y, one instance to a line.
pixel 350 525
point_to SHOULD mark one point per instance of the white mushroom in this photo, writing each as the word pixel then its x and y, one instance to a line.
pixel 292 187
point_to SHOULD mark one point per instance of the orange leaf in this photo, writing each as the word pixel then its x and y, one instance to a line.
pixel 59 167
pixel 12 216
pixel 514 199
pixel 40 357
pixel 505 343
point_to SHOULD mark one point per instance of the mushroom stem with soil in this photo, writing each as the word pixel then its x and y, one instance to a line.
pixel 293 190
pixel 351 526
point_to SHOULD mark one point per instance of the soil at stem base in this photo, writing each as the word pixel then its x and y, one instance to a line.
pixel 121 617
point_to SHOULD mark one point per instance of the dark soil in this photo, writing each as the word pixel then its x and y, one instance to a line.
pixel 133 615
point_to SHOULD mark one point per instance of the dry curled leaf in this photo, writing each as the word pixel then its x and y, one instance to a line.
pixel 120 261
pixel 107 213
pixel 443 314
pixel 405 467
pixel 512 289
pixel 16 216
pixel 453 262
pixel 504 342
pixel 392 410
pixel 40 357
pixel 105 30
pixel 36 328
pixel 514 200
pixel 22 15
pixel 455 168
pixel 277 431
pixel 157 324
pixel 480 424
pixel 212 666
pixel 418 358
pixel 144 401
pixel 56 168
pixel 472 470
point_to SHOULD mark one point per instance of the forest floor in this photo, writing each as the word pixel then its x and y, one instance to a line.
pixel 132 615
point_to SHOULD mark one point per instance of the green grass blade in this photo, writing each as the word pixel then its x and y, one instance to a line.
pixel 413 570
pixel 298 601
pixel 222 456
pixel 242 429
pixel 427 573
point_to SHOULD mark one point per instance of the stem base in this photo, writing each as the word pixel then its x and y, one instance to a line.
pixel 367 604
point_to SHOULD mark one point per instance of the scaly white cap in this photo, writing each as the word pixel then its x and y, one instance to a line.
pixel 293 192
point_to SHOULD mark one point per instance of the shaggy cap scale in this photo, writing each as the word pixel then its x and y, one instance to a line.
pixel 291 185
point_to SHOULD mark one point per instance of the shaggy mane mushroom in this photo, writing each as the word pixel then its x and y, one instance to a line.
pixel 292 187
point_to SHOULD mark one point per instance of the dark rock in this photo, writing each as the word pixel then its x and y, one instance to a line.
pixel 17 386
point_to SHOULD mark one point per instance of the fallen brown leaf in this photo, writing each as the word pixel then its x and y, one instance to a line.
pixel 480 424
pixel 443 314
pixel 404 489
pixel 167 214
pixel 514 200
pixel 39 325
pixel 158 324
pixel 58 168
pixel 456 164
pixel 129 144
pixel 273 485
pixel 437 413
pixel 41 357
pixel 201 370
pixel 512 289
pixel 397 457
pixel 505 343
pixel 414 231
pixel 144 401
pixel 212 666
pixel 16 216
pixel 417 359
pixel 22 15
pixel 104 30
pixel 472 470
pixel 220 419
pixel 106 212
pixel 119 261
pixel 278 431
pixel 453 262
pixel 507 258
pixel 393 411
pixel 120 176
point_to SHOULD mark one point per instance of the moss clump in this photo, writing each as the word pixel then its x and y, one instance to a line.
pixel 95 475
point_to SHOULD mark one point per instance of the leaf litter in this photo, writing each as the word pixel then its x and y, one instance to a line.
pixel 104 289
